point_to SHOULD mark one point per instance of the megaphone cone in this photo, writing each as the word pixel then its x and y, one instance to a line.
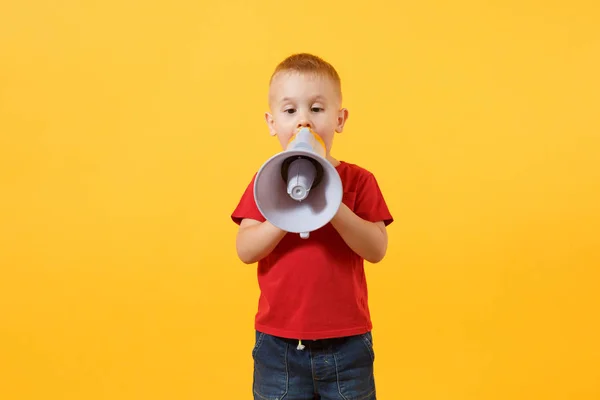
pixel 299 190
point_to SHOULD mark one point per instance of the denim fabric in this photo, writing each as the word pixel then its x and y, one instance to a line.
pixel 330 369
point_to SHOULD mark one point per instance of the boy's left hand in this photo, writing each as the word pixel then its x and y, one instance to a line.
pixel 367 239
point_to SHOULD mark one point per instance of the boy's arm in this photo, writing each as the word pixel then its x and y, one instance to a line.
pixel 255 240
pixel 368 239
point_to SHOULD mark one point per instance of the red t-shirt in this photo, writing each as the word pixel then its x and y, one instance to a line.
pixel 315 288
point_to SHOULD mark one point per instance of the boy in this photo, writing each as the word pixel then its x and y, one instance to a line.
pixel 313 327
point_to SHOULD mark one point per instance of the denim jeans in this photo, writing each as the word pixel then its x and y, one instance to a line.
pixel 330 369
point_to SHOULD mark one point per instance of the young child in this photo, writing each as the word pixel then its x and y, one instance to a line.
pixel 313 327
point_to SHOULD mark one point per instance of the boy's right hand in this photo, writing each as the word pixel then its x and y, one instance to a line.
pixel 255 240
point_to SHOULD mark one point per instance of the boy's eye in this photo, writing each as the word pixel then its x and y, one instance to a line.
pixel 316 109
pixel 290 110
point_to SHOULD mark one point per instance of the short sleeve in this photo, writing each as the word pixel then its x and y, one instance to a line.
pixel 246 207
pixel 370 203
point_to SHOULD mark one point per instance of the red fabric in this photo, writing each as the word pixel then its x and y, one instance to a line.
pixel 315 288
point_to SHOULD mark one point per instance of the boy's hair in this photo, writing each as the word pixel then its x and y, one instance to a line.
pixel 309 63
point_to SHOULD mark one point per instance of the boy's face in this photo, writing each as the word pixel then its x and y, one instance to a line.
pixel 304 100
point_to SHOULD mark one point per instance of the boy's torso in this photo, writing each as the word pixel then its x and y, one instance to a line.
pixel 316 288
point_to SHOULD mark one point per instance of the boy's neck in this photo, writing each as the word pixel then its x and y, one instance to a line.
pixel 332 160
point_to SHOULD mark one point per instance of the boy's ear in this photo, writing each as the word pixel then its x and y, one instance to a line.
pixel 270 123
pixel 341 120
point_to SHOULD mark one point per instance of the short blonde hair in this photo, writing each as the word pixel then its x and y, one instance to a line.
pixel 309 63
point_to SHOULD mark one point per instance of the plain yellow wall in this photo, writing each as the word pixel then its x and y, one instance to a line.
pixel 129 129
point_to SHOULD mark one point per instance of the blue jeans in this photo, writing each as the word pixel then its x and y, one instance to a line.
pixel 330 369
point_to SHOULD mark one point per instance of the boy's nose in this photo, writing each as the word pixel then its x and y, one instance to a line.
pixel 303 123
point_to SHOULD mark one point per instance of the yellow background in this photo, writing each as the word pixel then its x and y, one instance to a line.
pixel 129 129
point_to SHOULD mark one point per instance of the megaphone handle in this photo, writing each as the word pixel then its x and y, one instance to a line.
pixel 304 235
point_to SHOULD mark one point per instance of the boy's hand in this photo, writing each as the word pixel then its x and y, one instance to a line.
pixel 255 240
pixel 367 239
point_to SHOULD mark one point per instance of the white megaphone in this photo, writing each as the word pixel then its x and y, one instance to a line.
pixel 299 190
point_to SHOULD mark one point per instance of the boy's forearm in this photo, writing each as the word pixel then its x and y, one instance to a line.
pixel 366 238
pixel 257 241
